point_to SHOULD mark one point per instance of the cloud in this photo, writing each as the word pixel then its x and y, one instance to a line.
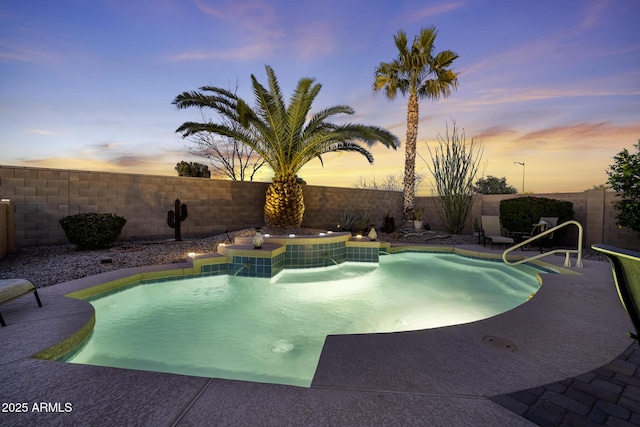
pixel 20 52
pixel 68 163
pixel 252 23
pixel 42 132
pixel 111 145
pixel 495 132
pixel 580 89
pixel 247 52
pixel 257 33
pixel 129 164
pixel 583 141
pixel 427 12
pixel 314 39
pixel 253 17
pixel 593 14
pixel 579 137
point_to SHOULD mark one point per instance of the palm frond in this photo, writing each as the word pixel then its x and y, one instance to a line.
pixel 297 112
pixel 348 146
pixel 319 119
pixel 284 135
pixel 415 66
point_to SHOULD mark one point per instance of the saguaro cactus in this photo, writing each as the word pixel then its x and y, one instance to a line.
pixel 174 219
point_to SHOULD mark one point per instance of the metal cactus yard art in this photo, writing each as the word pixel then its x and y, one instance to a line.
pixel 175 218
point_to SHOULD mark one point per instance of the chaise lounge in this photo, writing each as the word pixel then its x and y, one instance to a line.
pixel 545 223
pixel 12 289
pixel 492 231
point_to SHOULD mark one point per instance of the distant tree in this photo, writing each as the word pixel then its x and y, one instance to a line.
pixel 624 177
pixel 193 169
pixel 493 185
pixel 601 187
pixel 455 165
pixel 391 182
pixel 229 157
pixel 421 73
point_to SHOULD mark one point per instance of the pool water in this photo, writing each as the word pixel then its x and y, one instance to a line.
pixel 273 330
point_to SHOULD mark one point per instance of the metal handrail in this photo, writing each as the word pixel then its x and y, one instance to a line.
pixel 567 261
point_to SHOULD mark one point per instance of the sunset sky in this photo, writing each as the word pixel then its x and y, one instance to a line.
pixel 554 84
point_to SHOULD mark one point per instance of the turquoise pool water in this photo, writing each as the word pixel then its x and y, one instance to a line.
pixel 273 330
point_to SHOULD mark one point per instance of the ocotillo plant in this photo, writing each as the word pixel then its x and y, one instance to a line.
pixel 455 165
pixel 174 219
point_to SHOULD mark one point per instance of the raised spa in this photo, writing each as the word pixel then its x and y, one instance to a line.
pixel 273 329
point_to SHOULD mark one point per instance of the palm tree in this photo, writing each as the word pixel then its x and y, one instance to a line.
pixel 287 137
pixel 422 74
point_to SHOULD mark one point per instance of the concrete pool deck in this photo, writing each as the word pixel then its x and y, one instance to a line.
pixel 575 325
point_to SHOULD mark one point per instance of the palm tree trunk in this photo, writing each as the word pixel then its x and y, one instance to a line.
pixel 408 197
pixel 284 205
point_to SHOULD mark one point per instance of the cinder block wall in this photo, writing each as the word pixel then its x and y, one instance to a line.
pixel 43 196
pixel 611 233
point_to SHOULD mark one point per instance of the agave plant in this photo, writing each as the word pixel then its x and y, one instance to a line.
pixel 287 137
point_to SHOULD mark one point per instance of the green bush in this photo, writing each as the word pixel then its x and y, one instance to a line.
pixel 519 214
pixel 92 230
pixel 623 177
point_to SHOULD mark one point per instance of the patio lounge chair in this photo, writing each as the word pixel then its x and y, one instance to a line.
pixel 492 231
pixel 11 289
pixel 625 266
pixel 545 223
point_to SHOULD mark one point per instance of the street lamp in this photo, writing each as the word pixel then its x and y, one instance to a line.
pixel 522 164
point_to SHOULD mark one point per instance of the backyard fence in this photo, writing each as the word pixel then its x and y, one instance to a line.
pixel 39 197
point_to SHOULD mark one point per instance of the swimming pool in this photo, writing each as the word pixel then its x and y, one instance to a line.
pixel 273 330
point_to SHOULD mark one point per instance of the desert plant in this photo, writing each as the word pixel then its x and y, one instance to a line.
pixel 175 218
pixel 388 223
pixel 361 224
pixel 419 211
pixel 354 222
pixel 92 230
pixel 346 221
pixel 454 168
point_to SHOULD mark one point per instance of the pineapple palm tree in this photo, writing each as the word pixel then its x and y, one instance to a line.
pixel 421 73
pixel 286 137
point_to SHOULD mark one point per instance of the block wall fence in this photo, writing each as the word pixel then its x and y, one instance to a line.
pixel 36 198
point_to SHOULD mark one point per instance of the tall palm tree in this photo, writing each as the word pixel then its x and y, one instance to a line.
pixel 287 137
pixel 421 73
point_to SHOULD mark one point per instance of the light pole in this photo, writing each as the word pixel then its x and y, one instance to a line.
pixel 522 164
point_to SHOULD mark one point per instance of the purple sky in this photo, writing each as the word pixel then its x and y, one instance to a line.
pixel 89 84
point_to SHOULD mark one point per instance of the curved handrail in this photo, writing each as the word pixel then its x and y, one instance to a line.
pixel 567 261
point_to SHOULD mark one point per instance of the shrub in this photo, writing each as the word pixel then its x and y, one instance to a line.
pixel 623 177
pixel 521 213
pixel 92 230
pixel 354 222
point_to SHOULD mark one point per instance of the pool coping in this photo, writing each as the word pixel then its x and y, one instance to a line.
pixel 444 375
